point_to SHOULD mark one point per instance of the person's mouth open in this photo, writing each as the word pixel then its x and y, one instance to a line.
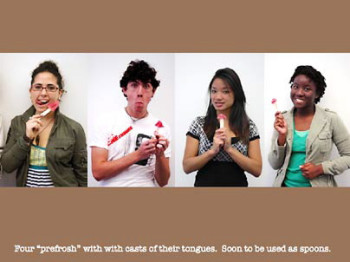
pixel 298 101
pixel 42 102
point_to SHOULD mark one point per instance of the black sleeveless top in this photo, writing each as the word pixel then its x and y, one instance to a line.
pixel 221 170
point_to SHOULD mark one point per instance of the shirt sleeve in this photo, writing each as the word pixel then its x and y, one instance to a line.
pixel 79 160
pixel 253 131
pixel 194 128
pixel 99 135
pixel 16 148
pixel 341 139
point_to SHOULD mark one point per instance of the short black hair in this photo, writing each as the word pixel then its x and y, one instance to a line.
pixel 51 67
pixel 141 71
pixel 315 76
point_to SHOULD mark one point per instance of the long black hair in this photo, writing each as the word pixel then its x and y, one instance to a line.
pixel 238 119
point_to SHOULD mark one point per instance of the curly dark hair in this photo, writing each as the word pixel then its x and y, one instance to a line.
pixel 315 76
pixel 139 70
pixel 51 67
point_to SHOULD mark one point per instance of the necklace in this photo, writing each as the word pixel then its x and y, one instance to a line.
pixel 134 119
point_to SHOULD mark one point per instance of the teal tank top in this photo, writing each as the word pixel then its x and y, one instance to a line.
pixel 294 176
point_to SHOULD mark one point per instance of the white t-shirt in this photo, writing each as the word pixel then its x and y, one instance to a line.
pixel 122 135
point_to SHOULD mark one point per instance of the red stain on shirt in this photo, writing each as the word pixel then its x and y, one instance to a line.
pixel 117 137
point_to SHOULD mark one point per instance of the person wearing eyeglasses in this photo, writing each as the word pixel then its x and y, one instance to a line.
pixel 50 150
pixel 304 136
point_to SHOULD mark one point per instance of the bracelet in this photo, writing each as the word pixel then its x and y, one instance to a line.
pixel 27 139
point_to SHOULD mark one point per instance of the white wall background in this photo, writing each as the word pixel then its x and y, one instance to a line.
pixel 105 93
pixel 193 73
pixel 15 77
pixel 93 79
pixel 278 70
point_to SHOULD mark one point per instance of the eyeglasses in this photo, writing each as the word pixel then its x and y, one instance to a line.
pixel 49 88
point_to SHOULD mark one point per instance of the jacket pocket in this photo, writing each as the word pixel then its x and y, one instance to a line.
pixel 325 142
pixel 63 150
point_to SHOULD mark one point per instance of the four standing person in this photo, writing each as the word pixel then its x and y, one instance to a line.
pixel 133 149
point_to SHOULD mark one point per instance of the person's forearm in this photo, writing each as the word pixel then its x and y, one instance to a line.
pixel 14 154
pixel 250 165
pixel 79 160
pixel 195 163
pixel 277 153
pixel 281 140
pixel 80 167
pixel 162 170
pixel 107 169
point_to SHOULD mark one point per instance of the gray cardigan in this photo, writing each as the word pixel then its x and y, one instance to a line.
pixel 326 128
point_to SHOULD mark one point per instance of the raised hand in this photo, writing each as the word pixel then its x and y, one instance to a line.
pixel 280 124
pixel 218 140
pixel 147 148
pixel 33 126
pixel 161 144
pixel 281 127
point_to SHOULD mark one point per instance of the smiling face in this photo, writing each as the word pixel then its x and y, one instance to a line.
pixel 303 92
pixel 138 95
pixel 49 92
pixel 222 96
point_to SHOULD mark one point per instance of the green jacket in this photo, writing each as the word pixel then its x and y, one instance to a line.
pixel 66 153
pixel 326 128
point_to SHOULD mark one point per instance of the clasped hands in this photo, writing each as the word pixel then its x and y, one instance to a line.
pixel 221 139
pixel 155 145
